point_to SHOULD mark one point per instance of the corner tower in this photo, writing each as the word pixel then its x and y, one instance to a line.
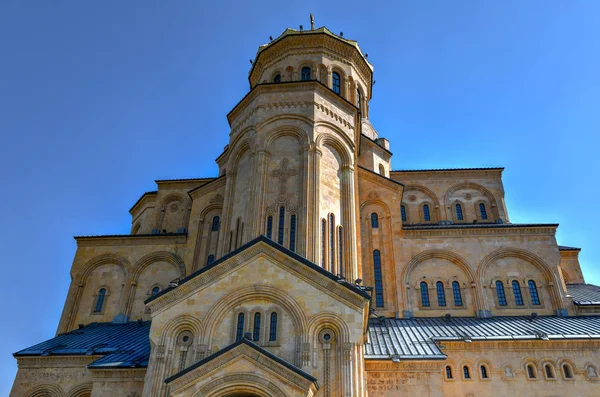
pixel 293 148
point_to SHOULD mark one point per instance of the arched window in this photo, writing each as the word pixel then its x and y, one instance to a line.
pixel 500 293
pixel 448 372
pixel 591 371
pixel 424 294
pixel 340 251
pixel 359 101
pixel 484 372
pixel 466 373
pixel 256 330
pixel 531 371
pixel 281 225
pixel 517 293
pixel 332 243
pixel 403 213
pixel 381 170
pixel 277 78
pixel 100 300
pixel 293 233
pixel 305 73
pixel 155 291
pixel 210 260
pixel 239 333
pixel 323 241
pixel 426 214
pixel 567 371
pixel 336 83
pixel 482 211
pixel 273 327
pixel 459 214
pixel 215 224
pixel 378 278
pixel 441 295
pixel 549 371
pixel 269 226
pixel 374 220
pixel 456 294
pixel 535 298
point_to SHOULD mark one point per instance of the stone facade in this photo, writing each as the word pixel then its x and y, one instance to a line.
pixel 305 168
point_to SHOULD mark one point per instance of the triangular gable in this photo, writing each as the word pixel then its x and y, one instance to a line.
pixel 199 375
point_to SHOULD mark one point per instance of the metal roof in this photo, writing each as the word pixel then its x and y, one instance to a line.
pixel 565 248
pixel 418 338
pixel 584 294
pixel 121 345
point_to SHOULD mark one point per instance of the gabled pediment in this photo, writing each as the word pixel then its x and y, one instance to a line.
pixel 277 259
pixel 241 367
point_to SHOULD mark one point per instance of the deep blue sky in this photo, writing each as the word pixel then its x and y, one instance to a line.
pixel 100 98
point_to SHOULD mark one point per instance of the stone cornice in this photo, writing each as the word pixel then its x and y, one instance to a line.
pixel 403 366
pixel 521 345
pixel 119 374
pixel 207 276
pixel 208 187
pixel 148 197
pixel 127 240
pixel 170 184
pixel 55 361
pixel 371 176
pixel 488 230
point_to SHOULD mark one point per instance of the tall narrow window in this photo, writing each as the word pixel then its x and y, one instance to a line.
pixel 441 295
pixel 531 371
pixel 215 224
pixel 533 292
pixel 281 225
pixel 155 290
pixel 448 372
pixel 359 101
pixel 426 213
pixel 466 373
pixel 567 371
pixel 293 233
pixel 456 294
pixel 340 251
pixel 335 83
pixel 459 214
pixel 403 213
pixel 332 243
pixel 549 371
pixel 484 373
pixel 256 330
pixel 323 241
pixel 424 294
pixel 239 333
pixel 378 278
pixel 482 211
pixel 374 220
pixel 273 327
pixel 500 293
pixel 270 226
pixel 100 300
pixel 210 260
pixel 517 293
pixel 277 78
pixel 305 73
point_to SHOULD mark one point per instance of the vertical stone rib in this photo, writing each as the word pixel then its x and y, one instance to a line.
pixel 349 222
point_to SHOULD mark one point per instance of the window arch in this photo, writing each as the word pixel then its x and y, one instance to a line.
pixel 215 224
pixel 533 293
pixel 256 328
pixel 277 78
pixel 281 225
pixel 459 212
pixel 100 300
pixel 374 220
pixel 448 372
pixel 517 293
pixel 567 371
pixel 336 83
pixel 155 290
pixel 305 73
pixel 466 372
pixel 531 371
pixel 270 226
pixel 210 260
pixel 592 372
pixel 549 371
pixel 456 294
pixel 424 294
pixel 381 170
pixel 403 212
pixel 273 327
pixel 378 278
pixel 484 372
pixel 441 294
pixel 239 333
pixel 482 211
pixel 500 293
pixel 293 233
pixel 426 213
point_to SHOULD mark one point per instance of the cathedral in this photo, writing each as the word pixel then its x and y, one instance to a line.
pixel 309 267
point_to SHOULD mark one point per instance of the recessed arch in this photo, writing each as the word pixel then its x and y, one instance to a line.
pixel 429 193
pixel 84 390
pixel 474 186
pixel 45 391
pixel 159 256
pixel 282 131
pixel 184 322
pixel 326 139
pixel 240 385
pixel 104 259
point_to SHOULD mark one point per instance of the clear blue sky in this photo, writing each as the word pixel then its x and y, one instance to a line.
pixel 100 98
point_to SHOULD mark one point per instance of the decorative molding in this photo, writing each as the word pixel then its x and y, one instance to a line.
pixel 119 374
pixel 128 240
pixel 56 361
pixel 452 231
